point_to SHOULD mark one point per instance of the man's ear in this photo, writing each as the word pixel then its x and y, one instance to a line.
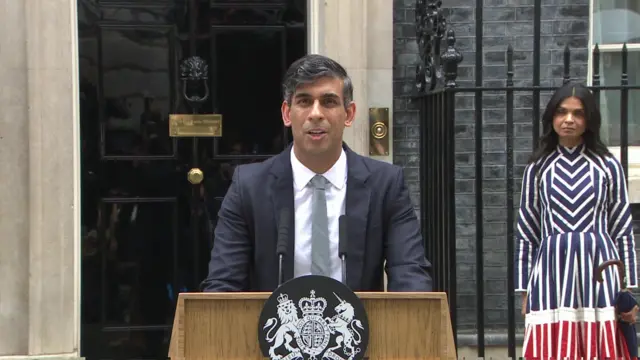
pixel 351 114
pixel 285 109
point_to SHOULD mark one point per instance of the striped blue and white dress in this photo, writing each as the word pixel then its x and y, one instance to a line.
pixel 574 215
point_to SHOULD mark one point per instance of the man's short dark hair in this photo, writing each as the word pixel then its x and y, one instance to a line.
pixel 312 67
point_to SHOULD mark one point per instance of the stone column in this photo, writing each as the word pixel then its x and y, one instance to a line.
pixel 54 185
pixel 14 172
pixel 379 37
pixel 40 165
pixel 359 35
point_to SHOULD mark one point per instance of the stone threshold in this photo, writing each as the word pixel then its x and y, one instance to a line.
pixel 43 357
pixel 490 339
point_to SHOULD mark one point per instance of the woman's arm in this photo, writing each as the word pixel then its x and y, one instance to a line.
pixel 620 227
pixel 528 232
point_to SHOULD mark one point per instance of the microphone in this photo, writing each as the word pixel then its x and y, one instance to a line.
pixel 283 237
pixel 342 245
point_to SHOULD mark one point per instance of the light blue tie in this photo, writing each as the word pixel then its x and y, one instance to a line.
pixel 320 259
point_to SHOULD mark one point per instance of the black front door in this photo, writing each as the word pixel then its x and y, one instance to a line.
pixel 150 200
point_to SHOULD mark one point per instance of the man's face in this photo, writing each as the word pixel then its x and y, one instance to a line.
pixel 317 116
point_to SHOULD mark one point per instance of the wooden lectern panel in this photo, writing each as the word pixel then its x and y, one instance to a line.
pixel 402 326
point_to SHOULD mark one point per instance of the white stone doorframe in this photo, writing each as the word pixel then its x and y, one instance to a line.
pixel 359 35
pixel 40 164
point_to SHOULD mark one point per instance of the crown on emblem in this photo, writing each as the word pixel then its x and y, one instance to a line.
pixel 312 305
pixel 283 300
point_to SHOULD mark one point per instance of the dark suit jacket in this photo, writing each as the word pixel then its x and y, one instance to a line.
pixel 382 226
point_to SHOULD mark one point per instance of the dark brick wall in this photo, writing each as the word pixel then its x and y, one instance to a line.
pixel 564 22
pixel 405 112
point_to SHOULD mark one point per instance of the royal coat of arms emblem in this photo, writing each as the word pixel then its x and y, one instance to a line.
pixel 299 329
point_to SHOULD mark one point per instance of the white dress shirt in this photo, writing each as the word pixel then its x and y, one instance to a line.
pixel 303 196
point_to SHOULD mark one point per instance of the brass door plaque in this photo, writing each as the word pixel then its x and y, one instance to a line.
pixel 195 125
pixel 378 131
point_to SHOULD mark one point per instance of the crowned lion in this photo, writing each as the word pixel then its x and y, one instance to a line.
pixel 288 316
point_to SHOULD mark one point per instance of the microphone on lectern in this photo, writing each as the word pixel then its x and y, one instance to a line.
pixel 342 245
pixel 283 239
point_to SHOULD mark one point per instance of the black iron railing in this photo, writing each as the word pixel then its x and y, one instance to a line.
pixel 436 85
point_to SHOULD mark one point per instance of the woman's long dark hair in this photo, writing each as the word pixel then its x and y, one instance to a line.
pixel 591 137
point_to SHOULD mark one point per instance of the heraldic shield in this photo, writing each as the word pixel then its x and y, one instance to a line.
pixel 313 318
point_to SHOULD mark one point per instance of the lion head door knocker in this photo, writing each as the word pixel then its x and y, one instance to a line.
pixel 194 75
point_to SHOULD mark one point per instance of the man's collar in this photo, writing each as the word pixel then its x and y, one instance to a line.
pixel 337 174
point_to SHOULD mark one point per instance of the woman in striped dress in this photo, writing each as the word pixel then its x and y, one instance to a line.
pixel 574 215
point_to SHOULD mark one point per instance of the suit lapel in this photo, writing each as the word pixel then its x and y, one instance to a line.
pixel 357 210
pixel 282 197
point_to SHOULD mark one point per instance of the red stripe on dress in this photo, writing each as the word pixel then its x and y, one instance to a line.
pixel 572 340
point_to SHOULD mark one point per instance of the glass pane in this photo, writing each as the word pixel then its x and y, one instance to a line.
pixel 611 69
pixel 616 21
pixel 137 91
pixel 140 13
pixel 273 12
pixel 135 270
pixel 134 178
pixel 247 96
pixel 139 344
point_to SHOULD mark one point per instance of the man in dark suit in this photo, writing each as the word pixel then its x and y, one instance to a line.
pixel 318 179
